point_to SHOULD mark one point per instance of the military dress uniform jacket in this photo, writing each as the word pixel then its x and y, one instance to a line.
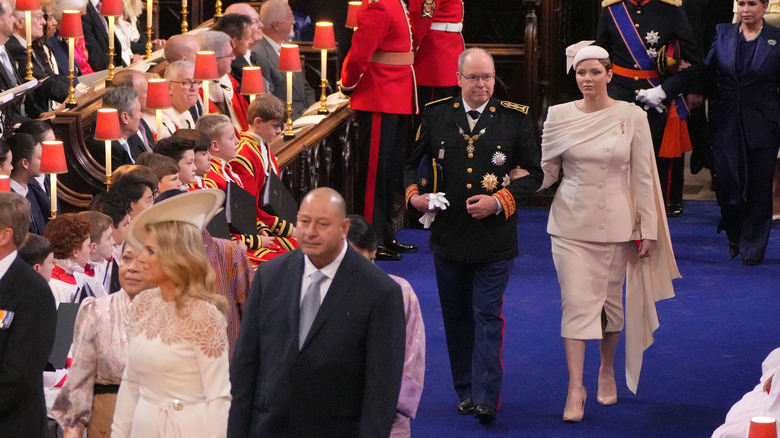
pixel 374 86
pixel 437 39
pixel 506 140
pixel 658 23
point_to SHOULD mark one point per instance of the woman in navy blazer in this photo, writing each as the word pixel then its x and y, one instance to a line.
pixel 744 130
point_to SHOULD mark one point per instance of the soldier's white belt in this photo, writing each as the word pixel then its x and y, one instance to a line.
pixel 447 27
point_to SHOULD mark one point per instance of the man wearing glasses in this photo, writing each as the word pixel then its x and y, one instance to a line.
pixel 474 141
pixel 184 97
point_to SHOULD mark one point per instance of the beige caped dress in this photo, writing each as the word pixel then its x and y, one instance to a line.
pixel 609 196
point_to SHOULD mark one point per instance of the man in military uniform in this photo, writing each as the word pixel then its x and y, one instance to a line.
pixel 654 29
pixel 475 141
pixel 378 76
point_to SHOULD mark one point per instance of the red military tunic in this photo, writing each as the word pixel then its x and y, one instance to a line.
pixel 252 164
pixel 380 87
pixel 437 38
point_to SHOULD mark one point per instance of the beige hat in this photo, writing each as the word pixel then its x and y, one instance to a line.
pixel 581 51
pixel 197 207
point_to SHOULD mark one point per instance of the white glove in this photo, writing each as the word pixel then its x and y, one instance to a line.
pixel 436 201
pixel 652 98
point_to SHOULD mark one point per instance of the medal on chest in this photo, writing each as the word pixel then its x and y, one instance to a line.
pixel 471 139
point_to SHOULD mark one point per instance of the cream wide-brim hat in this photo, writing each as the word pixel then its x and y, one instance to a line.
pixel 197 207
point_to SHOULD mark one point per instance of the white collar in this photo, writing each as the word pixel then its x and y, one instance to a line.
pixel 21 40
pixel 274 45
pixel 330 269
pixel 18 188
pixel 5 263
pixel 467 108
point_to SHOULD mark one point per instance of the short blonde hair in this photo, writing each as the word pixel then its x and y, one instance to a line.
pixel 210 124
pixel 182 257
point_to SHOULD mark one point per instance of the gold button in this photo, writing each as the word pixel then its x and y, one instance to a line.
pixel 635 66
pixel 636 25
pixel 639 12
pixel 498 147
pixel 468 186
pixel 469 170
pixel 636 78
pixel 471 155
pixel 442 142
pixel 636 91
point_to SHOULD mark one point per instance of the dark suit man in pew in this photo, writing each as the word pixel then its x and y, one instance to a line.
pixel 256 26
pixel 137 80
pixel 9 77
pixel 55 87
pixel 26 153
pixel 96 38
pixel 123 151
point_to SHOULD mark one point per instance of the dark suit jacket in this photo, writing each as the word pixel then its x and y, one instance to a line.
pixel 237 67
pixel 276 81
pixel 137 146
pixel 96 40
pixel 24 350
pixel 344 382
pixel 39 208
pixel 97 149
pixel 55 87
pixel 59 48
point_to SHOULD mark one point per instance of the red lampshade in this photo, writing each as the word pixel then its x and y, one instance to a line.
pixel 252 81
pixel 206 66
pixel 323 36
pixel 352 13
pixel 289 58
pixel 70 26
pixel 53 157
pixel 107 127
pixel 5 183
pixel 158 96
pixel 762 427
pixel 27 5
pixel 112 8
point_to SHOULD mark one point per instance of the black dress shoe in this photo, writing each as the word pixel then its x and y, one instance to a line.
pixel 750 262
pixel 485 414
pixel 401 247
pixel 387 255
pixel 733 250
pixel 674 210
pixel 466 407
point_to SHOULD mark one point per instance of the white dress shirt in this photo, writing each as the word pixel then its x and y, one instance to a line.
pixel 329 271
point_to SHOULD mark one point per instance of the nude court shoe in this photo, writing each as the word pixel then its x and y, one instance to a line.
pixel 605 399
pixel 575 414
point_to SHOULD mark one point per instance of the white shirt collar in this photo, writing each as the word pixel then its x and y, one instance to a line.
pixel 18 188
pixel 21 40
pixel 481 109
pixel 274 45
pixel 248 57
pixel 330 269
pixel 5 263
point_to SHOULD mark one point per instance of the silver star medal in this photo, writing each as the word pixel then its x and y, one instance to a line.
pixel 652 53
pixel 506 181
pixel 499 158
pixel 652 37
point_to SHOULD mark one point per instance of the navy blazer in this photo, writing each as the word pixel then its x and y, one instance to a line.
pixel 96 40
pixel 748 106
pixel 25 346
pixel 344 381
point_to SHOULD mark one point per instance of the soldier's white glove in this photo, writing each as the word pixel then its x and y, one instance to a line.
pixel 652 98
pixel 436 201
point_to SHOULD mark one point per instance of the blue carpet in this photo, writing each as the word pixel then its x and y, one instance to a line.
pixel 707 353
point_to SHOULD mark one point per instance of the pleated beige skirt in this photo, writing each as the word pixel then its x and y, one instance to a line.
pixel 591 276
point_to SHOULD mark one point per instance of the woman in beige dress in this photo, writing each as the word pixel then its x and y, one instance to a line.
pixel 607 226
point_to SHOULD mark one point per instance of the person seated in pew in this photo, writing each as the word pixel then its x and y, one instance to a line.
pixel 224 145
pixel 9 76
pixel 41 131
pixel 165 168
pixel 185 101
pixel 139 81
pixel 278 20
pixel 202 154
pixel 239 28
pixel 70 235
pixel 59 46
pixel 38 252
pixel 255 161
pixel 137 184
pixel 118 208
pixel 124 150
pixel 55 88
pixel 100 250
pixel 223 96
pixel 182 151
pixel 95 38
pixel 26 153
pixel 182 47
pixel 256 29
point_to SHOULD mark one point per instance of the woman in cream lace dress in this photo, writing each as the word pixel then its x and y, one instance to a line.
pixel 176 381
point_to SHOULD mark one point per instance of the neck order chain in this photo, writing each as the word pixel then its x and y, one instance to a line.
pixel 471 139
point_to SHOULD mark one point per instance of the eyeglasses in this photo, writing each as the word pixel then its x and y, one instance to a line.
pixel 188 84
pixel 230 55
pixel 476 78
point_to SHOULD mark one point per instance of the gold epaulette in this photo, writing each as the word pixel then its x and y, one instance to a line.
pixel 515 106
pixel 606 3
pixel 672 2
pixel 440 100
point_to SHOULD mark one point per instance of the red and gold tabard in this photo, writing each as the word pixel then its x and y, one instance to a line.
pixel 378 72
pixel 437 38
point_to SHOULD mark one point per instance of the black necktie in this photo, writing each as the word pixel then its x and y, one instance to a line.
pixel 474 114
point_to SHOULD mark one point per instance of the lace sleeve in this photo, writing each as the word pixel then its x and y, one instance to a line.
pixel 73 405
